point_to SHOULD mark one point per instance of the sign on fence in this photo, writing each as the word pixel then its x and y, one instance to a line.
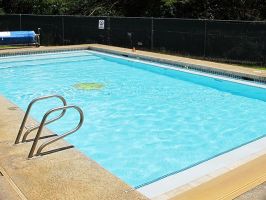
pixel 101 24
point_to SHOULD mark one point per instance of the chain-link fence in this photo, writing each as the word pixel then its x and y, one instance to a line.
pixel 210 39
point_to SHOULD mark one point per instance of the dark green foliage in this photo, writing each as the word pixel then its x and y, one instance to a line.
pixel 210 9
pixel 1 8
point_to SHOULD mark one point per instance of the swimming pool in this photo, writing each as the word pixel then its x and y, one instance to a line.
pixel 146 122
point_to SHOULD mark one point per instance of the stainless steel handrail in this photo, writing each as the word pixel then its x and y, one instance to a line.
pixel 31 154
pixel 27 114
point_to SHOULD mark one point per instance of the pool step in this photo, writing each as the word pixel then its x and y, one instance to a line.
pixel 8 190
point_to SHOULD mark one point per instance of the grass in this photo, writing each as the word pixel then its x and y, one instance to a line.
pixel 5 47
pixel 9 47
pixel 261 68
pixel 253 66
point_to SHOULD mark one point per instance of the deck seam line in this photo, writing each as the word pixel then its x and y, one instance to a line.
pixel 244 188
pixel 12 184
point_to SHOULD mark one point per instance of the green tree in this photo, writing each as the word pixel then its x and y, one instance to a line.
pixel 1 8
pixel 93 7
pixel 49 7
pixel 198 9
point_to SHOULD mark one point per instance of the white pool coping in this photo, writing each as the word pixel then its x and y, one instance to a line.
pixel 207 170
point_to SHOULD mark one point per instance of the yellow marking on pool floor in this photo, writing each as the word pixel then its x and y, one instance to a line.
pixel 88 86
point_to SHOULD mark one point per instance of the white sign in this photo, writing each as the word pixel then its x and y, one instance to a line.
pixel 101 24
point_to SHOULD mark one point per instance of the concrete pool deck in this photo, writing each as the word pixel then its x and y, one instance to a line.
pixel 69 174
pixel 65 174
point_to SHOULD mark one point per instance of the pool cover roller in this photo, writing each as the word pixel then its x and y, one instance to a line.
pixel 19 38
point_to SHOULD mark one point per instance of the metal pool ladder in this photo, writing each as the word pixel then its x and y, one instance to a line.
pixel 45 122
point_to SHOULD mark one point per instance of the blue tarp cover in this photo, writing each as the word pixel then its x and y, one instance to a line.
pixel 17 37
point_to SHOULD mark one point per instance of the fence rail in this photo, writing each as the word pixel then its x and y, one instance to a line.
pixel 238 41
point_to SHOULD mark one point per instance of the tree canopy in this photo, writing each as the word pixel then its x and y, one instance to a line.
pixel 199 9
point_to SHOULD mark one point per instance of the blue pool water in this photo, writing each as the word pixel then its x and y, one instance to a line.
pixel 147 121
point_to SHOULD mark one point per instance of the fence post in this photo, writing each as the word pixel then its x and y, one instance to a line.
pixel 20 25
pixel 205 38
pixel 152 32
pixel 63 30
pixel 108 29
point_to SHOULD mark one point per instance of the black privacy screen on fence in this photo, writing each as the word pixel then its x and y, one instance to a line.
pixel 182 36
pixel 128 32
pixel 80 30
pixel 232 40
pixel 51 27
pixel 236 41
